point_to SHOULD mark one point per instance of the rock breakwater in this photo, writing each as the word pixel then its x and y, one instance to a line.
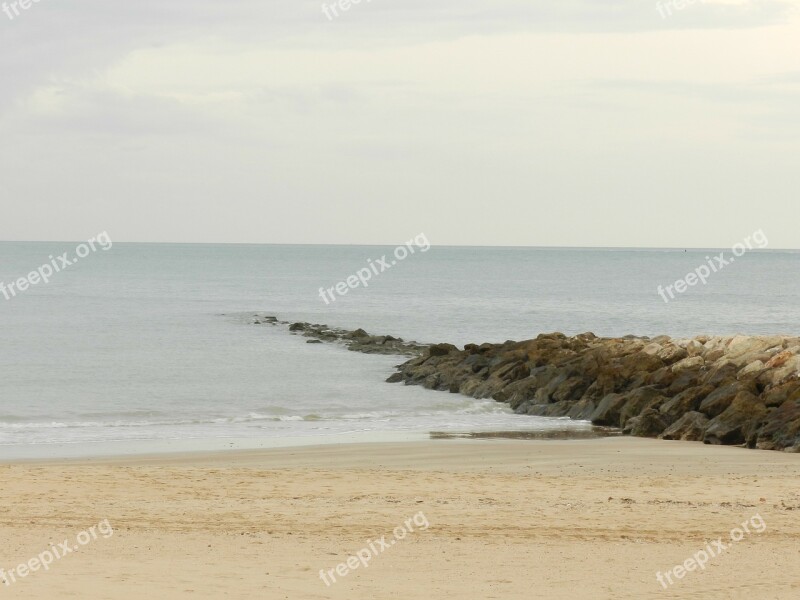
pixel 736 390
pixel 356 340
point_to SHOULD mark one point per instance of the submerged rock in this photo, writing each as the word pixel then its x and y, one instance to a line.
pixel 356 340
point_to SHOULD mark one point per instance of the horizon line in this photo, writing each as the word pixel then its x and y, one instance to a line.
pixel 322 244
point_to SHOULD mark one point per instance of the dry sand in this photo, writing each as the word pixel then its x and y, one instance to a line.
pixel 508 519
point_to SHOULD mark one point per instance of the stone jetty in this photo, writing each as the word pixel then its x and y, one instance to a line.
pixel 734 390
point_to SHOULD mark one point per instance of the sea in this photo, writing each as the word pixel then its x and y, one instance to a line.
pixel 151 348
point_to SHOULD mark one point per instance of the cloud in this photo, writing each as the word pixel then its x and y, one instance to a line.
pixel 515 113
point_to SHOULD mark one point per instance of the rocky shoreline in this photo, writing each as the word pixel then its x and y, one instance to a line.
pixel 734 390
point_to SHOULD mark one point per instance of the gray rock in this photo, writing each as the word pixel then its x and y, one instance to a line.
pixel 690 427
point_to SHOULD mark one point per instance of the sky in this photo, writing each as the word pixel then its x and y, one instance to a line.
pixel 511 122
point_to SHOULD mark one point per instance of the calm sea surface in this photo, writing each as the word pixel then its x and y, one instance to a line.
pixel 154 343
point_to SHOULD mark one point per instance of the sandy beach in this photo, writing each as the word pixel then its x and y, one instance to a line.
pixel 505 519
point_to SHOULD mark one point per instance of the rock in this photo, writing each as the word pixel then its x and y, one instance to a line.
pixel 672 354
pixel 297 326
pixel 695 348
pixel 488 388
pixel 313 341
pixel 468 387
pixel 693 362
pixel 518 392
pixel 743 346
pixel 779 394
pixel 685 402
pixel 442 349
pixel 781 430
pixel 661 378
pixel 648 424
pixel 653 349
pixel 689 428
pixel 513 370
pixel 544 394
pixel 608 411
pixel 637 402
pixel 789 370
pixel 570 390
pixel 753 369
pixel 683 381
pixel 780 359
pixel 720 374
pixel 720 399
pixel 739 423
pixel 582 410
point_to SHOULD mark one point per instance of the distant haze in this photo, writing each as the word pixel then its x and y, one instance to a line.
pixel 502 122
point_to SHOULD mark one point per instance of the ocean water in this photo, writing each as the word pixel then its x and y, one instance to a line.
pixel 153 344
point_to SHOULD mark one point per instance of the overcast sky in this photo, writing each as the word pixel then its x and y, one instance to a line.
pixel 500 122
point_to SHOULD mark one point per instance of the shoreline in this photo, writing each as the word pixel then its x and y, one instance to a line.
pixel 735 390
pixel 440 454
pixel 123 450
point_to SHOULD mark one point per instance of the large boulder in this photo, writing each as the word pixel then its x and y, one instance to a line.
pixel 721 373
pixel 685 402
pixel 695 348
pixel 582 410
pixel 692 363
pixel 788 371
pixel 684 380
pixel 690 428
pixel 742 349
pixel 779 394
pixel 781 429
pixel 720 399
pixel 517 392
pixel 672 353
pixel 648 424
pixel 570 390
pixel 608 410
pixel 739 423
pixel 639 400
pixel 781 358
pixel 488 388
pixel 437 349
pixel 752 370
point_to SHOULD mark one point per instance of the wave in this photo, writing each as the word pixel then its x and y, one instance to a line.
pixel 11 424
